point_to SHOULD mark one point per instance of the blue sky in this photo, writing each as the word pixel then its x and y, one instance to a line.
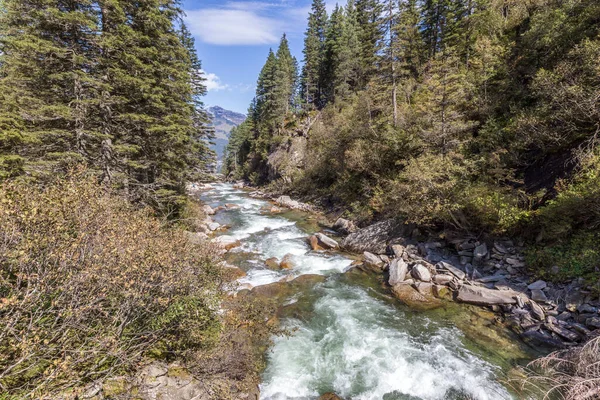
pixel 233 39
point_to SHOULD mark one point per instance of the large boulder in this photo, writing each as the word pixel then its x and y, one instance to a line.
pixel 286 201
pixel 412 298
pixel 286 262
pixel 227 242
pixel 373 261
pixel 208 210
pixel 374 238
pixel 421 273
pixel 272 263
pixel 314 243
pixel 326 242
pixel 398 270
pixel 485 297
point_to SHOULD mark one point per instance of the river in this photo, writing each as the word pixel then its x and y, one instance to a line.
pixel 349 336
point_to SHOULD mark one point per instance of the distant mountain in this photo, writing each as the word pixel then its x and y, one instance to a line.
pixel 223 121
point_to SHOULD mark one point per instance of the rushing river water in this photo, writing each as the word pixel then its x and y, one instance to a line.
pixel 348 335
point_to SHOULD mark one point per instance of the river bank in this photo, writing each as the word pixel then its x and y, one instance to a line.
pixel 349 333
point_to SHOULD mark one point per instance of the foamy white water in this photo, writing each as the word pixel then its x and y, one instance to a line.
pixel 351 343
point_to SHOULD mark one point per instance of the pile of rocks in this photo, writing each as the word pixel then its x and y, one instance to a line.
pixel 422 273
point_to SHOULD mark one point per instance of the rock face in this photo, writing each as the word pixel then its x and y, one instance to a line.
pixel 326 242
pixel 484 297
pixel 398 270
pixel 373 238
pixel 421 273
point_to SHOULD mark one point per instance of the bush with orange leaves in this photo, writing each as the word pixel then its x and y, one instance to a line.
pixel 89 286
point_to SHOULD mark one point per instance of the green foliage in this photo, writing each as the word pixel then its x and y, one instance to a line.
pixel 112 84
pixel 89 286
pixel 576 256
pixel 472 115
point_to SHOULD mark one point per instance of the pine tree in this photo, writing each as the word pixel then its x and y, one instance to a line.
pixel 265 92
pixel 314 56
pixel 368 15
pixel 49 97
pixel 342 62
pixel 153 100
pixel 285 81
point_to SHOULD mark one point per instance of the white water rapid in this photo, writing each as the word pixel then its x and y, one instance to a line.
pixel 354 339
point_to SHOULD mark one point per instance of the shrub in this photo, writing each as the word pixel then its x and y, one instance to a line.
pixel 572 374
pixel 89 286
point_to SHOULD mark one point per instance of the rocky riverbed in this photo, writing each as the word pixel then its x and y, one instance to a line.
pixel 489 274
pixel 373 314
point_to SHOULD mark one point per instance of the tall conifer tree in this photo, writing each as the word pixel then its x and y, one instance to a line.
pixel 314 55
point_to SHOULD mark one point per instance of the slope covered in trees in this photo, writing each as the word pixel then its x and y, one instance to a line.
pixel 113 84
pixel 470 115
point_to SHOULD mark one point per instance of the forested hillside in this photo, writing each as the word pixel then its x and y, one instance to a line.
pixel 111 84
pixel 477 116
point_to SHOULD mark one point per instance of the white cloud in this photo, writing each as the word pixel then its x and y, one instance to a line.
pixel 231 26
pixel 213 82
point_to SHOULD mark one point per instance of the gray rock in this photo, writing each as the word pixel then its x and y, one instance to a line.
pixel 562 332
pixel 373 261
pixel 464 260
pixel 582 330
pixel 480 251
pixel 398 270
pixel 539 296
pixel 467 246
pixel 442 279
pixel 397 250
pixel 543 339
pixel 424 288
pixel 492 278
pixel 593 322
pixel 539 285
pixel 421 273
pixel 536 310
pixel 452 269
pixel 499 247
pixel 208 210
pixel 213 226
pixel 563 316
pixel 516 263
pixel 286 201
pixel 484 297
pixel 326 242
pixel 586 308
pixel 373 238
